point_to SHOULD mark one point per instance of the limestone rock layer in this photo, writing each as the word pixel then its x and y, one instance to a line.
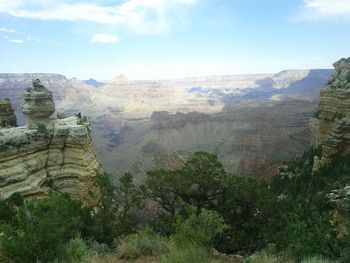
pixel 48 155
pixel 331 128
pixel 57 159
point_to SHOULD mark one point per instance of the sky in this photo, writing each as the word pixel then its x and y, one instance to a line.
pixel 161 39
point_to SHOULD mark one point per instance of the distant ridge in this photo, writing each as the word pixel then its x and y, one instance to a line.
pixel 94 83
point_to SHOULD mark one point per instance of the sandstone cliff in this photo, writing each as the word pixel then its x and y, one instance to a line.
pixel 331 128
pixel 48 155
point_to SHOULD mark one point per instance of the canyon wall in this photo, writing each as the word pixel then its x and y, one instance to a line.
pixel 48 155
pixel 331 128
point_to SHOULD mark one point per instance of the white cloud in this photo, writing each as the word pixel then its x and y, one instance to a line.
pixel 142 16
pixel 17 41
pixel 104 39
pixel 7 30
pixel 321 9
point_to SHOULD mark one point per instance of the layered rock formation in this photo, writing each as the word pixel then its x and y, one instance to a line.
pixel 246 137
pixel 120 132
pixel 7 115
pixel 38 105
pixel 48 155
pixel 331 128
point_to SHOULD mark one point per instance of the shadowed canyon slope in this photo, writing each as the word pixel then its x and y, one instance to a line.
pixel 141 125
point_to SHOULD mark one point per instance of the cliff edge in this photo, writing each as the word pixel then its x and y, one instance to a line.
pixel 331 127
pixel 48 155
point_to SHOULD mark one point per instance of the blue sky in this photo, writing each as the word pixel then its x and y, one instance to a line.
pixel 147 39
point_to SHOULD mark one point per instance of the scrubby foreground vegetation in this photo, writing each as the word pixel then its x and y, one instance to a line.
pixel 184 215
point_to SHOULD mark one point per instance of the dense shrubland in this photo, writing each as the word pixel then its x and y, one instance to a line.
pixel 181 215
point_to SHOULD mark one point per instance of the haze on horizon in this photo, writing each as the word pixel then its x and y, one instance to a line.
pixel 159 39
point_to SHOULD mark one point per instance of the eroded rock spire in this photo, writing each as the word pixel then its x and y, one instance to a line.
pixel 38 105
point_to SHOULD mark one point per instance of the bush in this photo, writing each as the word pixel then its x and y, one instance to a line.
pixel 318 259
pixel 312 207
pixel 116 209
pixel 38 227
pixel 8 208
pixel 190 253
pixel 103 225
pixel 252 212
pixel 76 250
pixel 262 257
pixel 247 205
pixel 141 244
pixel 199 229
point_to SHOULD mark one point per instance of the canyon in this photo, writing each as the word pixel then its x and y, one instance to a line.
pixel 249 121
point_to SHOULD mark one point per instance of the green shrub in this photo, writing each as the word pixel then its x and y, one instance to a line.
pixel 99 248
pixel 263 257
pixel 345 254
pixel 76 250
pixel 141 244
pixel 39 227
pixel 191 253
pixel 116 210
pixel 8 208
pixel 317 259
pixel 309 204
pixel 103 225
pixel 251 210
pixel 199 229
pixel 246 205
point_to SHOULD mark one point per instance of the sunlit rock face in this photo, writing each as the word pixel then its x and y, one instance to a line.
pixel 333 118
pixel 48 155
pixel 7 115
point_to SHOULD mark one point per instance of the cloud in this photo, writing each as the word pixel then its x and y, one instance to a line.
pixel 7 30
pixel 17 41
pixel 323 9
pixel 104 39
pixel 141 16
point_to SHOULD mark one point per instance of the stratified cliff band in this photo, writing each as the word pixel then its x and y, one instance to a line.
pixel 331 128
pixel 47 155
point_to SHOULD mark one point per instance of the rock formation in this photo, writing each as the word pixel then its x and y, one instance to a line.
pixel 331 128
pixel 38 105
pixel 48 155
pixel 120 132
pixel 7 115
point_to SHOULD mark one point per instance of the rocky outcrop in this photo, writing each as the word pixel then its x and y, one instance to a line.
pixel 38 105
pixel 7 115
pixel 333 119
pixel 48 155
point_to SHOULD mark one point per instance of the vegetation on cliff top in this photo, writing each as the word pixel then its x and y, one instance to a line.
pixel 180 215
